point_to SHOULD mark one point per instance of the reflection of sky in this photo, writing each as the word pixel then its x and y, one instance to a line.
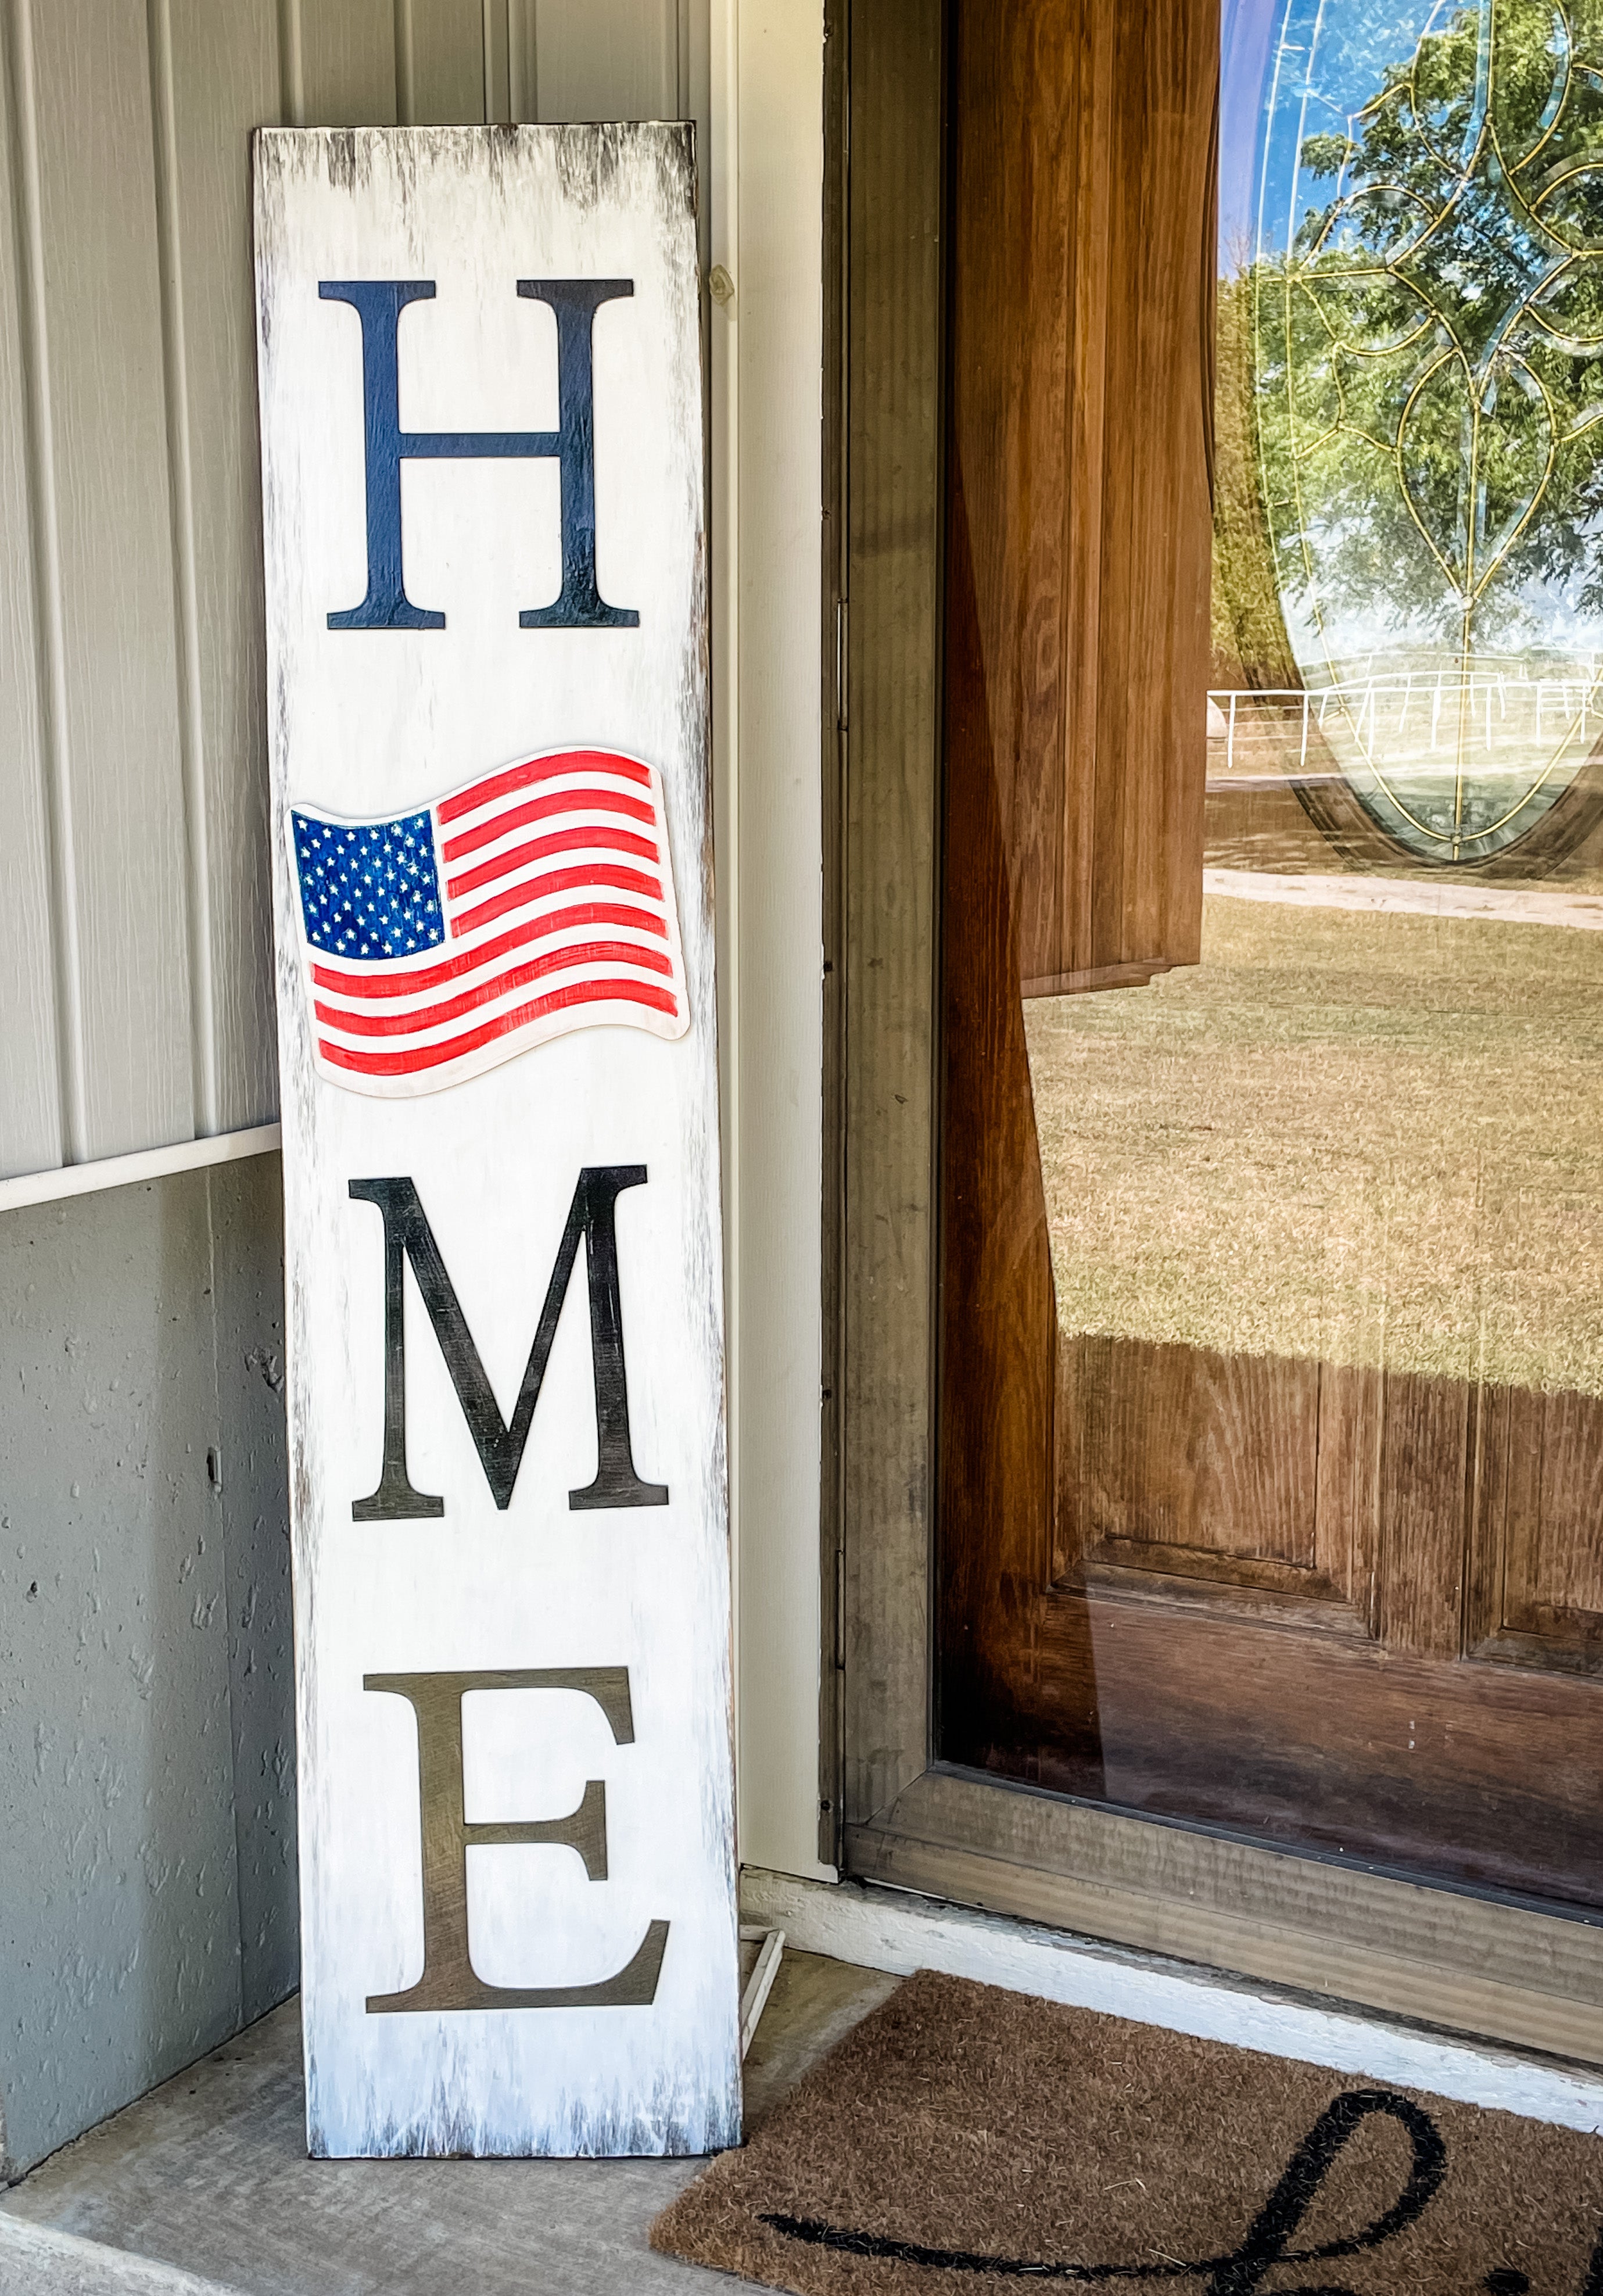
pixel 1297 68
pixel 1558 625
pixel 1247 34
pixel 1292 69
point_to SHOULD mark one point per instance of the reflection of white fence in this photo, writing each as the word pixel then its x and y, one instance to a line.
pixel 1448 718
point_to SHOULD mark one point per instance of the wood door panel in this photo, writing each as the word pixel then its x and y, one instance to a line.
pixel 1351 1420
pixel 1072 829
pixel 1306 1739
pixel 998 1308
pixel 1207 1478
pixel 1420 1578
pixel 1254 1477
pixel 1080 436
pixel 1536 1552
pixel 1185 1451
pixel 1569 1561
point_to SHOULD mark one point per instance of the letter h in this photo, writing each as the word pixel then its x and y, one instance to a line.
pixel 378 304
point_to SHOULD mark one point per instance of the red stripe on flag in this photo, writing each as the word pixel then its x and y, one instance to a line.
pixel 540 809
pixel 417 980
pixel 484 992
pixel 540 769
pixel 555 880
pixel 558 1000
pixel 541 849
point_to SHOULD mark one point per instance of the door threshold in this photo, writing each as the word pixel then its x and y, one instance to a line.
pixel 1476 1967
pixel 882 1927
pixel 1335 1861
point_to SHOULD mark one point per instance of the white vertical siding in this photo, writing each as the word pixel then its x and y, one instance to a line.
pixel 217 66
pixel 100 488
pixel 347 53
pixel 622 53
pixel 135 981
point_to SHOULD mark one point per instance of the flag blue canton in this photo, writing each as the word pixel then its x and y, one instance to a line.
pixel 370 889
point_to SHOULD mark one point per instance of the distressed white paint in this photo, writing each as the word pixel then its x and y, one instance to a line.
pixel 367 723
pixel 895 1930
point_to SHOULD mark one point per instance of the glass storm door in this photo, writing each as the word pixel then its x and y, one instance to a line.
pixel 1271 1142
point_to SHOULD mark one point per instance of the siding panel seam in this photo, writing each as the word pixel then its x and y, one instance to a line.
pixel 186 615
pixel 46 549
pixel 406 66
pixel 291 65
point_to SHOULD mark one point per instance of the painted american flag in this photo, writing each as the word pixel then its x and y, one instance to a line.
pixel 534 900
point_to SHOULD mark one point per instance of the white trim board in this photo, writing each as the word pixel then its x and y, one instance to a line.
pixel 767 377
pixel 893 1930
pixel 143 1164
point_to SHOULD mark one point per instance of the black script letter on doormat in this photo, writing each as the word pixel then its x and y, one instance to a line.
pixel 1242 2272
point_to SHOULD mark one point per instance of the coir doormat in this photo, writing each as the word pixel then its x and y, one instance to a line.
pixel 962 2139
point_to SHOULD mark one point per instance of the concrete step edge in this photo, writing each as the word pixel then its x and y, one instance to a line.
pixel 37 2260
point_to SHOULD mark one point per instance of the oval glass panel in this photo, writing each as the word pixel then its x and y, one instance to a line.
pixel 1411 343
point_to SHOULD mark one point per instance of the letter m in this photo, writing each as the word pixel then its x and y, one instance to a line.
pixel 407 1235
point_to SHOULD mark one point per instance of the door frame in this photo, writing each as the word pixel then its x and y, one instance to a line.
pixel 890 1811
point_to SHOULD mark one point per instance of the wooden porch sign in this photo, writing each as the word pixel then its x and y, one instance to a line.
pixel 482 474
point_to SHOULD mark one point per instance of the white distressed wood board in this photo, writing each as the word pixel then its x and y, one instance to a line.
pixel 458 1047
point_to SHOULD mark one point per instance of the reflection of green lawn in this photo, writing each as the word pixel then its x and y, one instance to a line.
pixel 1367 1138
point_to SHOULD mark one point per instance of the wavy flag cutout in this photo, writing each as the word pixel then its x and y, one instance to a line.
pixel 534 901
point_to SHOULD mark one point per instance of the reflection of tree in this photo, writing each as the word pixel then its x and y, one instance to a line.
pixel 1429 353
pixel 1249 643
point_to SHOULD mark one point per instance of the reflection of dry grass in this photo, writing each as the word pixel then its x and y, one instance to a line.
pixel 1367 1138
pixel 1255 822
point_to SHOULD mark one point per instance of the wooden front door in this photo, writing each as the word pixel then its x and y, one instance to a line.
pixel 1270 1306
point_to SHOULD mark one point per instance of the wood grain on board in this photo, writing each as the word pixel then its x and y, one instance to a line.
pixel 1480 1964
pixel 889 829
pixel 1082 239
pixel 1467 1514
pixel 1326 1605
pixel 1127 1456
pixel 998 1308
pixel 1535 1580
pixel 1479 1774
pixel 1075 655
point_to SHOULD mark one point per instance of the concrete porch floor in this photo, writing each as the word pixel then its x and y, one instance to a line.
pixel 209 2173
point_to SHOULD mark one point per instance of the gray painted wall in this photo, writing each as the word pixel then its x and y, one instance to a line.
pixel 147 1784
